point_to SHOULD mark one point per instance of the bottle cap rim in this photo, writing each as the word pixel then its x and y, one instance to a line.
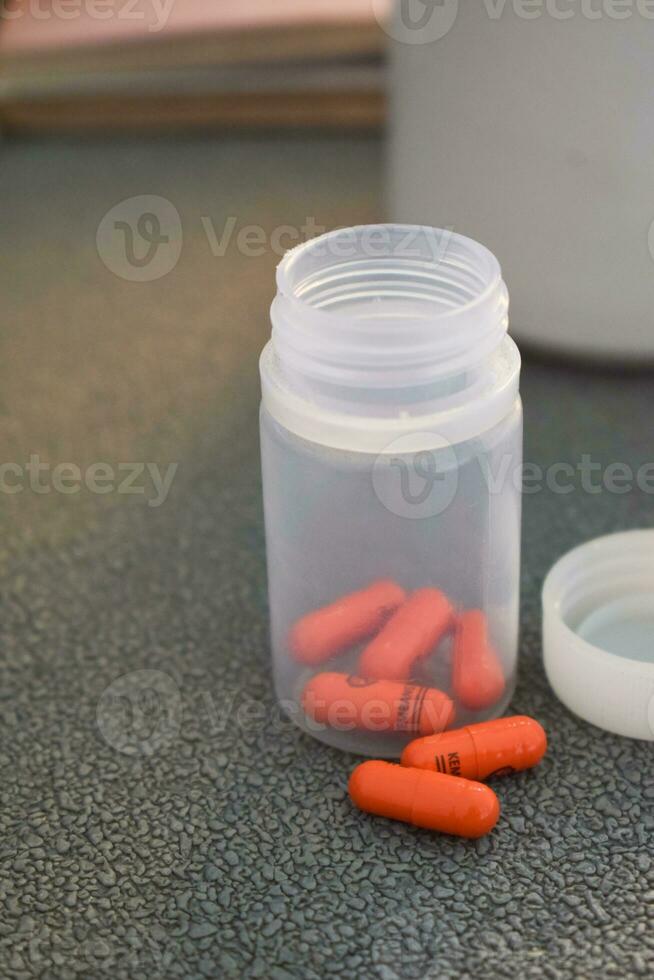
pixel 598 632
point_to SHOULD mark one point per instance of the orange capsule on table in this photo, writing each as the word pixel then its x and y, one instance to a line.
pixel 491 748
pixel 347 703
pixel 425 799
pixel 330 630
pixel 410 634
pixel 477 675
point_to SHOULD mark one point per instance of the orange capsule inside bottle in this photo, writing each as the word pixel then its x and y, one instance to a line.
pixel 328 631
pixel 424 799
pixel 345 702
pixel 491 748
pixel 477 675
pixel 410 634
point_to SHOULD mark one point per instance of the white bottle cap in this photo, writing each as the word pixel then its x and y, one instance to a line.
pixel 598 632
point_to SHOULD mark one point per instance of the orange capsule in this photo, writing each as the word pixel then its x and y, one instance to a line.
pixel 425 799
pixel 410 634
pixel 332 629
pixel 491 748
pixel 477 675
pixel 346 702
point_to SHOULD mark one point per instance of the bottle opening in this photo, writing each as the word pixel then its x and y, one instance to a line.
pixel 384 331
pixel 429 268
pixel 388 306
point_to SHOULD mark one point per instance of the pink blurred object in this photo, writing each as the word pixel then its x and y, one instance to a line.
pixel 129 64
pixel 104 22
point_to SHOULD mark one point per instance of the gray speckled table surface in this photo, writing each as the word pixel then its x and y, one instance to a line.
pixel 224 845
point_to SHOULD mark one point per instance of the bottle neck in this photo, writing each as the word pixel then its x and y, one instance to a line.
pixel 387 328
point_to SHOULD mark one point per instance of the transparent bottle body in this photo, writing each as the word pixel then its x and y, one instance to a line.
pixel 337 521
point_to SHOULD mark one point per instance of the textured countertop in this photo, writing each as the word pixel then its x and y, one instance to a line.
pixel 171 824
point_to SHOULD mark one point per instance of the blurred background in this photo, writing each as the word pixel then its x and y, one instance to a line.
pixel 157 158
pixel 95 65
pixel 508 122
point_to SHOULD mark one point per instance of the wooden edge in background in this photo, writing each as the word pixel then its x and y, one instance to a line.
pixel 260 110
pixel 275 44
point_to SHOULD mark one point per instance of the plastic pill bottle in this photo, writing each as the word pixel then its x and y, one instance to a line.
pixel 391 442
